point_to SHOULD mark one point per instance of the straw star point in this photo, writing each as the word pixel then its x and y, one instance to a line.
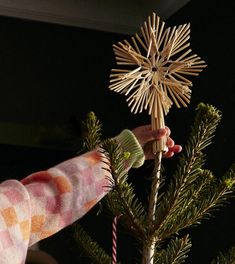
pixel 155 67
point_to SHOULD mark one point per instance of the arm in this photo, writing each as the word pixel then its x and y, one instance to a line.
pixel 64 193
pixel 47 201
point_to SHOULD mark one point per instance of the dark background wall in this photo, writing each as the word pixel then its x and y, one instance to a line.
pixel 52 74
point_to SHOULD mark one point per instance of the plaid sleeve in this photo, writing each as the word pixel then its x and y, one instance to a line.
pixel 15 222
pixel 45 202
pixel 64 193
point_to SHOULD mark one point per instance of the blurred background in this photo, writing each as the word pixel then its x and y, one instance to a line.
pixel 55 61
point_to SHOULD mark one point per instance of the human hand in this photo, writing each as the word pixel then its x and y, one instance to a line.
pixel 146 136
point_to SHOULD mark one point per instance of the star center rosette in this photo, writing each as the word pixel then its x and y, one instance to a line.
pixel 154 70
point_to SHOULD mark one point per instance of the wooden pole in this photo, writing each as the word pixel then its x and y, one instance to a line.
pixel 149 246
pixel 159 147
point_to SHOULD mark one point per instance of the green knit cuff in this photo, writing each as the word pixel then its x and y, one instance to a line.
pixel 129 143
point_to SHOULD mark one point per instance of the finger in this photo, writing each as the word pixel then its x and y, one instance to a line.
pixel 145 134
pixel 169 154
pixel 176 148
pixel 170 142
pixel 168 131
pixel 158 134
pixel 171 151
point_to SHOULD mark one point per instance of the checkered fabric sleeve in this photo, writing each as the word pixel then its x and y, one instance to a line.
pixel 64 193
pixel 45 202
pixel 15 222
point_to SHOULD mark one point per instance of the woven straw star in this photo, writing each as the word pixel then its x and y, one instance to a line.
pixel 155 69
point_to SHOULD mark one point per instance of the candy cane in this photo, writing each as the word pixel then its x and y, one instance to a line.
pixel 114 239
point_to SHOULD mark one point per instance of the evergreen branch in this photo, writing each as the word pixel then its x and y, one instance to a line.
pixel 227 258
pixel 229 177
pixel 91 128
pixel 90 247
pixel 130 201
pixel 176 251
pixel 199 204
pixel 122 200
pixel 206 121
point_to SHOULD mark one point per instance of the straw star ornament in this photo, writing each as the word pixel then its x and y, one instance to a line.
pixel 155 70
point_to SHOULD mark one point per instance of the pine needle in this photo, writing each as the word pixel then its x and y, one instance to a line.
pixel 225 258
pixel 175 252
pixel 90 247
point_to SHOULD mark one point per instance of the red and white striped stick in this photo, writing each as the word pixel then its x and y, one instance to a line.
pixel 114 239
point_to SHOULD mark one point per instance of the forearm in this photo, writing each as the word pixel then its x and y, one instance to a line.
pixel 64 193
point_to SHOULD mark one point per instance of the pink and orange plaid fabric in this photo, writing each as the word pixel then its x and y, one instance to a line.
pixel 15 222
pixel 45 202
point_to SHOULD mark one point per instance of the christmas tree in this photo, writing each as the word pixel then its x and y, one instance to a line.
pixel 184 200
